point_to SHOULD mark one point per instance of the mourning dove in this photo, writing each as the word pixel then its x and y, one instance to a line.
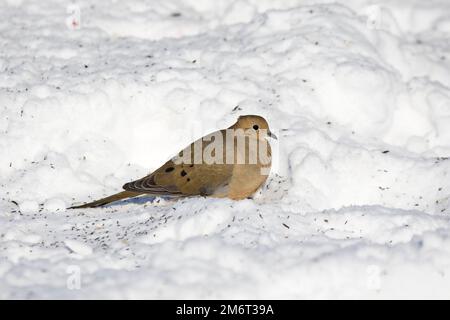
pixel 230 163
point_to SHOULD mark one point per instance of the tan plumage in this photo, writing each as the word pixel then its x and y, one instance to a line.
pixel 187 175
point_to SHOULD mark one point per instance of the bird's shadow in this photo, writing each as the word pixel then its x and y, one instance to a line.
pixel 137 200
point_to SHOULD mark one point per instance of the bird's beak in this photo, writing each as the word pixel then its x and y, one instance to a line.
pixel 271 135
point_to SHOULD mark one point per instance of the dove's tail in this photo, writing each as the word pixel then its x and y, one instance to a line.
pixel 113 198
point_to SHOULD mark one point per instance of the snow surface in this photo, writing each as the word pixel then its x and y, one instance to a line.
pixel 357 204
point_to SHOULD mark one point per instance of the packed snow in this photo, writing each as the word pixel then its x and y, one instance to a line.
pixel 96 94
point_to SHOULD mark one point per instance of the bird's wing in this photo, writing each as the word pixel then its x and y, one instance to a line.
pixel 149 185
pixel 177 178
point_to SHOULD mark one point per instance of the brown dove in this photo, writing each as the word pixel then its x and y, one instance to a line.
pixel 230 163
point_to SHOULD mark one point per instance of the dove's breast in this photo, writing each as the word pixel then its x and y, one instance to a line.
pixel 248 177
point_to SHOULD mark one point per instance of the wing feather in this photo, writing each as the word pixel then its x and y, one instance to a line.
pixel 177 179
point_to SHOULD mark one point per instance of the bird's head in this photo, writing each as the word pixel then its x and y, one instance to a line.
pixel 252 124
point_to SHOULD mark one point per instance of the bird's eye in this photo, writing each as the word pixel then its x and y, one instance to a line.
pixel 255 127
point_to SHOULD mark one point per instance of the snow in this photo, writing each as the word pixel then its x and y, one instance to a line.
pixel 78 247
pixel 96 95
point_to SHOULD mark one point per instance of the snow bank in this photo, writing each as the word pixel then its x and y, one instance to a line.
pixel 95 95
